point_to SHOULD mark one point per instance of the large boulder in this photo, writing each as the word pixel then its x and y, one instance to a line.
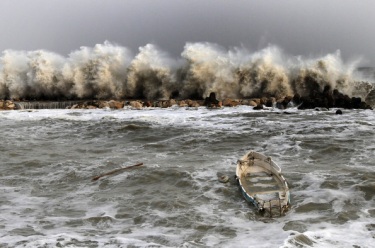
pixel 230 102
pixel 167 103
pixel 136 105
pixel 183 103
pixel 259 107
pixel 147 104
pixel 256 100
pixel 116 104
pixel 370 98
pixel 297 99
pixel 103 104
pixel 270 102
pixel 211 101
pixel 193 104
pixel 9 105
pixel 252 103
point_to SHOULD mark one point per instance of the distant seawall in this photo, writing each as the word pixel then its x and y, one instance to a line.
pixel 323 100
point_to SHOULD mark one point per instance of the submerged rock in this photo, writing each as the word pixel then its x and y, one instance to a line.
pixel 224 179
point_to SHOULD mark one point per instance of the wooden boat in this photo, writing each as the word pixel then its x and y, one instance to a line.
pixel 261 183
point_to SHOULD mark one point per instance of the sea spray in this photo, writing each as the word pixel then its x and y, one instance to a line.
pixel 309 75
pixel 263 75
pixel 44 76
pixel 151 75
pixel 209 69
pixel 108 71
pixel 98 72
pixel 13 75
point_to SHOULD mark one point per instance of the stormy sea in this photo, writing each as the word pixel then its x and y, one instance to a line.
pixel 50 156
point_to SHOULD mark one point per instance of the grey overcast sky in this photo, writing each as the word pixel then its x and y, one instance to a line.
pixel 299 27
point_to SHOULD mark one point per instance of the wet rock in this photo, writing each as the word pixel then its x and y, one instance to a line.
pixel 297 99
pixel 103 104
pixel 223 179
pixel 320 109
pixel 211 101
pixel 193 104
pixel 147 104
pixel 8 105
pixel 298 226
pixel 303 240
pixel 91 104
pixel 244 102
pixel 157 104
pixel 172 102
pixel 252 103
pixel 136 104
pixel 339 112
pixel 230 103
pixel 280 105
pixel 166 103
pixel 183 104
pixel 370 98
pixel 284 102
pixel 116 104
pixel 329 99
pixel 257 101
pixel 263 100
pixel 270 102
pixel 258 107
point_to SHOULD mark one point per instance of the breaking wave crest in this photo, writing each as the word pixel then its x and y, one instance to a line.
pixel 111 71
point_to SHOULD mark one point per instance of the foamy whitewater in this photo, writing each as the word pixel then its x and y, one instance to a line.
pixel 48 158
pixel 108 71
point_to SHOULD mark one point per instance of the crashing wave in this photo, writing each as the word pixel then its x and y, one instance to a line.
pixel 108 71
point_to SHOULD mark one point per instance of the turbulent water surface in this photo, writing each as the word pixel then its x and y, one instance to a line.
pixel 48 158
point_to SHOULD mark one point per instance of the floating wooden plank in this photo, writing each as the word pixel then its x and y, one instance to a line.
pixel 115 171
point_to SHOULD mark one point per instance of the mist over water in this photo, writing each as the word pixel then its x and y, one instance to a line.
pixel 109 71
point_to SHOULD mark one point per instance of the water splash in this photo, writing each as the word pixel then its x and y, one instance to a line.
pixel 111 71
pixel 152 74
pixel 98 72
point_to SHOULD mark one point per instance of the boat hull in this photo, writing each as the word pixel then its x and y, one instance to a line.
pixel 262 184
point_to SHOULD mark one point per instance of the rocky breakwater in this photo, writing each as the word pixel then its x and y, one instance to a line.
pixel 329 99
pixel 324 99
pixel 7 105
pixel 112 104
pixel 99 104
